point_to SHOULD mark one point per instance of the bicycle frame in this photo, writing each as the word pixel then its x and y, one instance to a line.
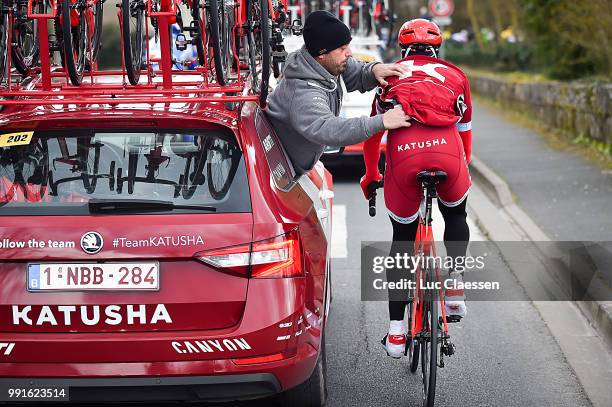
pixel 424 245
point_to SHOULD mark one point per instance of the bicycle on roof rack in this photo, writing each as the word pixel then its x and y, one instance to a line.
pixel 20 31
pixel 238 44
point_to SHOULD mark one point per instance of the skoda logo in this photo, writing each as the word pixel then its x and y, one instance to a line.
pixel 92 242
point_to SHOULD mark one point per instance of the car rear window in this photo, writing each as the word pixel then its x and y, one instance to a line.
pixel 79 172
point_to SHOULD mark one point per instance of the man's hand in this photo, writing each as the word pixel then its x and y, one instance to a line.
pixel 396 118
pixel 381 71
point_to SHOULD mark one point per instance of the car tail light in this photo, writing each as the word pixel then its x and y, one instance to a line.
pixel 273 258
pixel 234 259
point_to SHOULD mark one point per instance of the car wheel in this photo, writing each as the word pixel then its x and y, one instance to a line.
pixel 313 392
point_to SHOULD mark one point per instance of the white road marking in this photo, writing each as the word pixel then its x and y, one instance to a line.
pixel 339 248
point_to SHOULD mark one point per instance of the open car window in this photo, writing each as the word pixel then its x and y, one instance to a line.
pixel 60 172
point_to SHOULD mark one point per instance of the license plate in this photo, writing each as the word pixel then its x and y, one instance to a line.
pixel 93 276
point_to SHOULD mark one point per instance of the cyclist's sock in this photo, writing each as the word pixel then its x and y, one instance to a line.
pixel 397 327
pixel 397 310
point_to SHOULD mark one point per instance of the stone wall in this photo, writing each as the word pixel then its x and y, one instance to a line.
pixel 575 109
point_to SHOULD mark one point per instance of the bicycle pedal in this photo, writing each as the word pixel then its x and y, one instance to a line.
pixel 453 318
pixel 296 27
pixel 181 42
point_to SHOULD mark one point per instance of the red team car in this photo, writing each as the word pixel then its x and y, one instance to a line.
pixel 159 252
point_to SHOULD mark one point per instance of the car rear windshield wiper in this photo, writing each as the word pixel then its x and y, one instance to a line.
pixel 135 205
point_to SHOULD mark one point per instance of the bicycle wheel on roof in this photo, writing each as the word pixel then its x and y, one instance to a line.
pixel 260 50
pixel 75 39
pixel 133 26
pixel 198 30
pixel 220 37
pixel 4 46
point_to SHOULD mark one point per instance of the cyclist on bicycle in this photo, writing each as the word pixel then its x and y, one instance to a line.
pixel 436 95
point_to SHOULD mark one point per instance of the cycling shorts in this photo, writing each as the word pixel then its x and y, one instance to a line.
pixel 420 148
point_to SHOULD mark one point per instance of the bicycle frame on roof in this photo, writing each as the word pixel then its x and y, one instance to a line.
pixel 51 86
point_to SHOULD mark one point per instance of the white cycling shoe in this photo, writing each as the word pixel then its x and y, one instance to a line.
pixel 395 341
pixel 455 310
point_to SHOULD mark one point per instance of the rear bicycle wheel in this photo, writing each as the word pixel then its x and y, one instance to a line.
pixel 133 20
pixel 75 40
pixel 220 37
pixel 429 347
pixel 413 346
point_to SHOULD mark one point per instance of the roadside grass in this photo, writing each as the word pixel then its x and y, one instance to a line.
pixel 528 77
pixel 597 153
pixel 516 76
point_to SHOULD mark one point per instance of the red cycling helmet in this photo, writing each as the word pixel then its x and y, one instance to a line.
pixel 419 31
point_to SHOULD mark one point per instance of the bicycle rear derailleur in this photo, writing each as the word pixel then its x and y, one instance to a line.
pixel 447 348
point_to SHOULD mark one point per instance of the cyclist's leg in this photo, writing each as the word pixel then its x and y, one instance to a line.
pixel 452 200
pixel 403 242
pixel 395 340
pixel 456 229
pixel 402 199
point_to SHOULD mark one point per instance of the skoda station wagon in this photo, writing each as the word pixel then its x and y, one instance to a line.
pixel 159 252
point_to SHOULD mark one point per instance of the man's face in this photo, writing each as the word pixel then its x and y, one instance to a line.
pixel 335 61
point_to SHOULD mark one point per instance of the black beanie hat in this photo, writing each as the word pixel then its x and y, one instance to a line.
pixel 323 33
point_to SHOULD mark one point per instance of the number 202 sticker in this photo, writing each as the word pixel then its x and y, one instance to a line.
pixel 16 139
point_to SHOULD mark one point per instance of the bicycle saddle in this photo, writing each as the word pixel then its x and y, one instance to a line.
pixel 431 177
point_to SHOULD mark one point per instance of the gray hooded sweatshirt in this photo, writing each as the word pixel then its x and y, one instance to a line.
pixel 305 105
